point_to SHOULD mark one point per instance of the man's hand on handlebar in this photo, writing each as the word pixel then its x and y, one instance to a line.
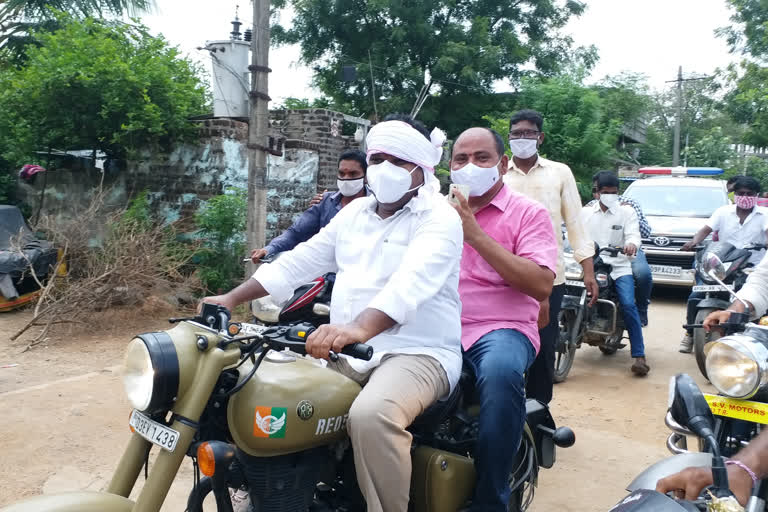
pixel 333 337
pixel 716 318
pixel 689 483
pixel 222 300
pixel 630 250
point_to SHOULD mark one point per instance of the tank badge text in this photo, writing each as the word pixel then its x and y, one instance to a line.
pixel 305 410
pixel 270 422
pixel 331 425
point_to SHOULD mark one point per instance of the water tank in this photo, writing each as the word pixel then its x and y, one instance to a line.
pixel 231 79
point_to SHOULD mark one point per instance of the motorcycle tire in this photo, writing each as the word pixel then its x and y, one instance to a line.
pixel 701 338
pixel 565 352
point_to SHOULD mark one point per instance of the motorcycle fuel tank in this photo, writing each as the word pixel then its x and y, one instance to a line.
pixel 291 404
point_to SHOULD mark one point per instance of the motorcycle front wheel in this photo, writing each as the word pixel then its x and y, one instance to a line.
pixel 701 338
pixel 565 351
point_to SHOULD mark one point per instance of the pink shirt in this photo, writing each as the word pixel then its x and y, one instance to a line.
pixel 522 226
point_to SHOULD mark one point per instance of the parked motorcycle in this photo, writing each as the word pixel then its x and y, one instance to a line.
pixel 254 414
pixel 691 412
pixel 736 269
pixel 601 325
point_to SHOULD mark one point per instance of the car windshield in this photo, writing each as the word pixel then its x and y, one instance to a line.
pixel 678 201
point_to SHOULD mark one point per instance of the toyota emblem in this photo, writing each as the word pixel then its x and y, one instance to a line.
pixel 661 241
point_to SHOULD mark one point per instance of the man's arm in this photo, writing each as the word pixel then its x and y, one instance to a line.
pixel 697 238
pixel 693 480
pixel 632 238
pixel 582 244
pixel 304 228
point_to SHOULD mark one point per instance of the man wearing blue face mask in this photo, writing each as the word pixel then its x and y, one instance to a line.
pixel 351 184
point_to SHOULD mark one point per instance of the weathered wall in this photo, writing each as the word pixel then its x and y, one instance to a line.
pixel 177 182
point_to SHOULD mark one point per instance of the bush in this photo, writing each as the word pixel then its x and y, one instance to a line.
pixel 222 222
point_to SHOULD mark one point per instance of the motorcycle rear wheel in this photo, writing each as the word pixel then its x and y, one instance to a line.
pixel 701 338
pixel 565 351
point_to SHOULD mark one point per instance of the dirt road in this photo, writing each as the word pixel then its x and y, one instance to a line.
pixel 64 415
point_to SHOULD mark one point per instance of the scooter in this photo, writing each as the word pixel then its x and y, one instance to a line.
pixel 254 414
pixel 601 325
pixel 736 268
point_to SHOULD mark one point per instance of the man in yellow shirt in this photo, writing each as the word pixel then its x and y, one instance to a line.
pixel 553 185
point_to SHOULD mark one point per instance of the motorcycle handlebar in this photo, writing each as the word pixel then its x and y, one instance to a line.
pixel 358 351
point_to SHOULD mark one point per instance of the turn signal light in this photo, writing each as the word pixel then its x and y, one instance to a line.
pixel 764 321
pixel 233 329
pixel 206 459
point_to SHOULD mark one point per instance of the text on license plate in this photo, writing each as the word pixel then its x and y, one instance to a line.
pixel 666 269
pixel 739 409
pixel 153 431
pixel 569 282
pixel 712 288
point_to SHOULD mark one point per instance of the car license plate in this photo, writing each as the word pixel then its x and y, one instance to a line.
pixel 712 288
pixel 739 409
pixel 568 282
pixel 153 431
pixel 667 270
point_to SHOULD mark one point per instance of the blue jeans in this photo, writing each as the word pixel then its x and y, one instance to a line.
pixel 499 361
pixel 692 306
pixel 625 288
pixel 643 280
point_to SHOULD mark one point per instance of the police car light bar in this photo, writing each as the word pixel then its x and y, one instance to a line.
pixel 681 171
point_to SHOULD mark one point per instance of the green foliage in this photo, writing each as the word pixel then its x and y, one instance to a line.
pixel 222 223
pixel 748 33
pixel 95 84
pixel 455 50
pixel 138 214
pixel 747 101
pixel 711 150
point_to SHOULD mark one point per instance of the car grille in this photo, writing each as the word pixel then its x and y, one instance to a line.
pixel 674 260
pixel 664 243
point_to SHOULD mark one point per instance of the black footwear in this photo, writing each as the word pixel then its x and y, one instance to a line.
pixel 643 318
pixel 640 367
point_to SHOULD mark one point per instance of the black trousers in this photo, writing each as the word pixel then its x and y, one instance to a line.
pixel 542 371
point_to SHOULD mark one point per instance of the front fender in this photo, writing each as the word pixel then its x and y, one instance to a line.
pixel 73 502
pixel 669 466
pixel 571 302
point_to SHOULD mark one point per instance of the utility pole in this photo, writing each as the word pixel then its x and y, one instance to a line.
pixel 258 127
pixel 678 114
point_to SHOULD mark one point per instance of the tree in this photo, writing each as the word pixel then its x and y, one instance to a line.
pixel 748 34
pixel 449 51
pixel 98 85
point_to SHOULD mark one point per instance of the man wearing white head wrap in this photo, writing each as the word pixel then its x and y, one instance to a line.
pixel 396 255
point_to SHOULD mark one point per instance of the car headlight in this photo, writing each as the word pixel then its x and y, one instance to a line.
pixel 151 372
pixel 737 365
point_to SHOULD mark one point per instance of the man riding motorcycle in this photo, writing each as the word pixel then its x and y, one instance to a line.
pixel 507 267
pixel 397 261
pixel 610 223
pixel 741 225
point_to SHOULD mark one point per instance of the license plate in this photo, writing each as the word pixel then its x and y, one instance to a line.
pixel 739 409
pixel 667 270
pixel 153 431
pixel 580 284
pixel 712 288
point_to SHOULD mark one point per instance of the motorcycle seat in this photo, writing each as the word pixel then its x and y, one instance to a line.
pixel 435 414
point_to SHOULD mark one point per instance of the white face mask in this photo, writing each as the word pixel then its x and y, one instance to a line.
pixel 479 179
pixel 609 200
pixel 350 187
pixel 388 182
pixel 523 148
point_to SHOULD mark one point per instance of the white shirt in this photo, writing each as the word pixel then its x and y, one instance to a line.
pixel 553 185
pixel 406 266
pixel 756 288
pixel 730 229
pixel 615 227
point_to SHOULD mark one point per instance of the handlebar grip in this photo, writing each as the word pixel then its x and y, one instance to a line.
pixel 358 351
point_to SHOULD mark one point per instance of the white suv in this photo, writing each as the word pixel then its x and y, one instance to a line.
pixel 676 208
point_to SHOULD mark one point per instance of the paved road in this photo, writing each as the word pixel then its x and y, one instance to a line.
pixel 64 420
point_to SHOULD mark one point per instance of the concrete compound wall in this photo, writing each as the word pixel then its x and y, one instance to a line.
pixel 180 180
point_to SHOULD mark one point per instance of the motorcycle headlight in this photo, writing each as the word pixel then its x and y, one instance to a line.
pixel 737 365
pixel 573 269
pixel 151 372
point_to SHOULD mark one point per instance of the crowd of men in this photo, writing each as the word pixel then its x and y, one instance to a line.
pixel 433 286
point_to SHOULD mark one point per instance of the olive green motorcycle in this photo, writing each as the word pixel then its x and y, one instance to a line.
pixel 258 416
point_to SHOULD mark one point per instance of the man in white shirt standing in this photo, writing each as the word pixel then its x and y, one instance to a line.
pixel 614 224
pixel 741 224
pixel 552 184
pixel 396 255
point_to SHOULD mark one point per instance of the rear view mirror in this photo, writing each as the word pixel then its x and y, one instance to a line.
pixel 689 407
pixel 713 266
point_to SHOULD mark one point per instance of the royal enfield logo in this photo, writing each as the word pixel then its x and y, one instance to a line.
pixel 661 241
pixel 305 410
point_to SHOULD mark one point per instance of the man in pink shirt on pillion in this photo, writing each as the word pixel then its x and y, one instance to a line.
pixel 507 268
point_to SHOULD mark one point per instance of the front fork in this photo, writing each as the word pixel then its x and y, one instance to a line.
pixel 187 412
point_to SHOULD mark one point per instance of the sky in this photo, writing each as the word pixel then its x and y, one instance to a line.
pixel 653 37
